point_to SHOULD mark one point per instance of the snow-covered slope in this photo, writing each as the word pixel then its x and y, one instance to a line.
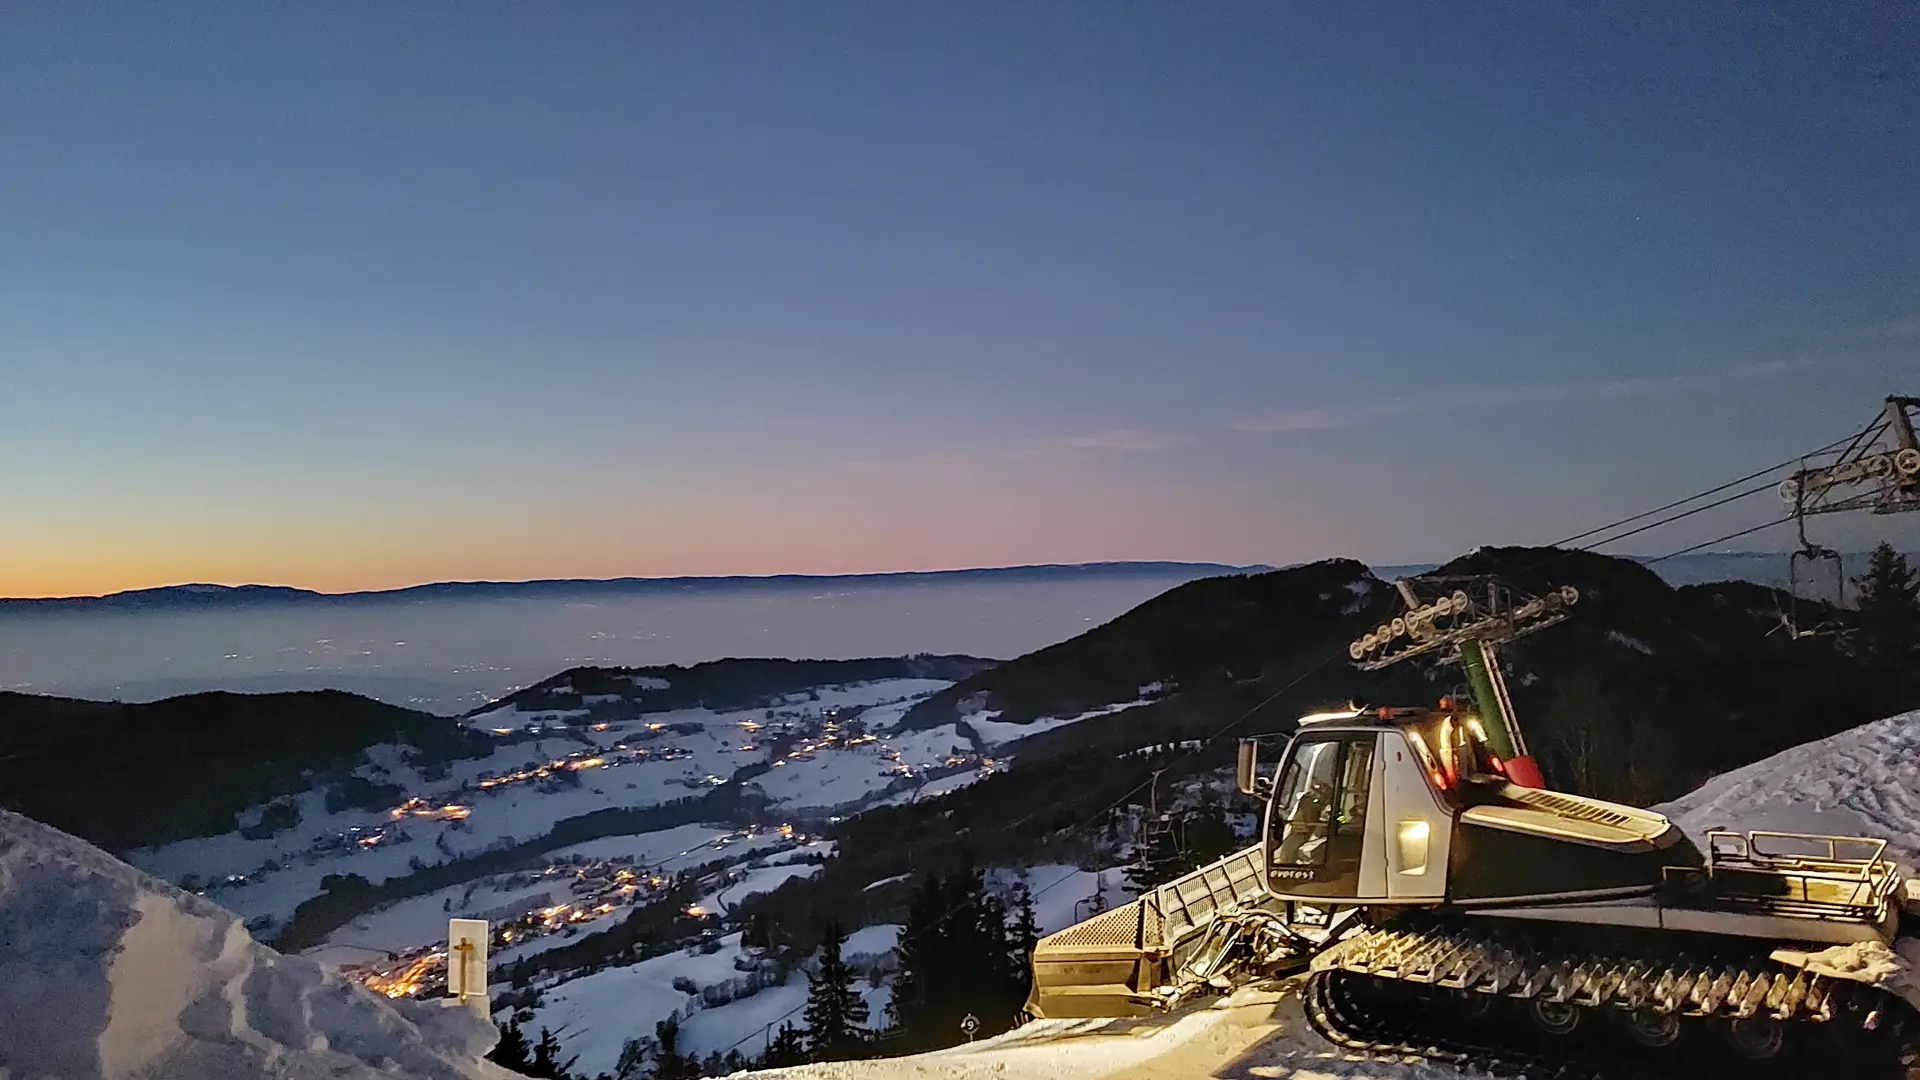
pixel 108 972
pixel 1864 782
pixel 727 999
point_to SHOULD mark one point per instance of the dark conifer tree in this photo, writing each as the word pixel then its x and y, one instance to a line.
pixel 668 1062
pixel 789 1047
pixel 836 1015
pixel 511 1052
pixel 1890 614
pixel 993 1005
pixel 546 1061
pixel 758 933
pixel 920 987
pixel 1207 836
pixel 1022 934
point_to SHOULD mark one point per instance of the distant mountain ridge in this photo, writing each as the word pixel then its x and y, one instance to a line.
pixel 199 596
pixel 1758 567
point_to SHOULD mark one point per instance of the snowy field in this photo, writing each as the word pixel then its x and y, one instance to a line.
pixel 285 869
pixel 595 1015
pixel 517 794
pixel 1064 895
pixel 687 751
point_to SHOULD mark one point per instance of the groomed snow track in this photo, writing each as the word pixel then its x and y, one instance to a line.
pixel 1519 1004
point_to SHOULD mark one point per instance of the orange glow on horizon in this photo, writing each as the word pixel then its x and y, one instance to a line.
pixel 74 577
pixel 331 550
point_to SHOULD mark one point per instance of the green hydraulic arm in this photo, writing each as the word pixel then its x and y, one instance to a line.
pixel 1490 694
pixel 1470 627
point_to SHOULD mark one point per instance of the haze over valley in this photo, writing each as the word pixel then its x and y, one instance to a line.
pixel 449 655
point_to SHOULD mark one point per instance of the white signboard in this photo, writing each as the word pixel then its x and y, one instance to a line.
pixel 467 963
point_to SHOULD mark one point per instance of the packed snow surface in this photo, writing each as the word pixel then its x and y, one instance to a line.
pixel 1863 782
pixel 107 972
pixel 1257 1032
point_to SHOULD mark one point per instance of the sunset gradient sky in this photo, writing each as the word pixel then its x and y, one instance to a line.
pixel 365 294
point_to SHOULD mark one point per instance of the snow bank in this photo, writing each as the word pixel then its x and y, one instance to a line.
pixel 108 972
pixel 1862 782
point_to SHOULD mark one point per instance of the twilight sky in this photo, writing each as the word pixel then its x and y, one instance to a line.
pixel 362 294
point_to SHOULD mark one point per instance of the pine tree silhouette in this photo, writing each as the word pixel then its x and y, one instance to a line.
pixel 1022 934
pixel 1889 613
pixel 836 1015
pixel 956 958
pixel 668 1062
pixel 789 1047
pixel 546 1061
pixel 511 1052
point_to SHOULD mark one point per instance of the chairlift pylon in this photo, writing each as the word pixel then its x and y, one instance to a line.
pixel 1879 471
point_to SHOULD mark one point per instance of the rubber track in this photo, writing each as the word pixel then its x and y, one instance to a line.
pixel 1344 1027
pixel 1471 961
pixel 1459 958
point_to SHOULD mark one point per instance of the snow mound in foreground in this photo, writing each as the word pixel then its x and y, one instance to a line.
pixel 1864 782
pixel 107 972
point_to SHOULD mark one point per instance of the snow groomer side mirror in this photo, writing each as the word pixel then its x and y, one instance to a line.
pixel 1247 772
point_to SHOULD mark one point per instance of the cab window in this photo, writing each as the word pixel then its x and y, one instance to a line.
pixel 1304 803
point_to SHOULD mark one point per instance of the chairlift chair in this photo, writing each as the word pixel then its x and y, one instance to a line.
pixel 1807 615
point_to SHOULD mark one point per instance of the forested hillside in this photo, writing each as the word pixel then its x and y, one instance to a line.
pixel 132 775
pixel 732 683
